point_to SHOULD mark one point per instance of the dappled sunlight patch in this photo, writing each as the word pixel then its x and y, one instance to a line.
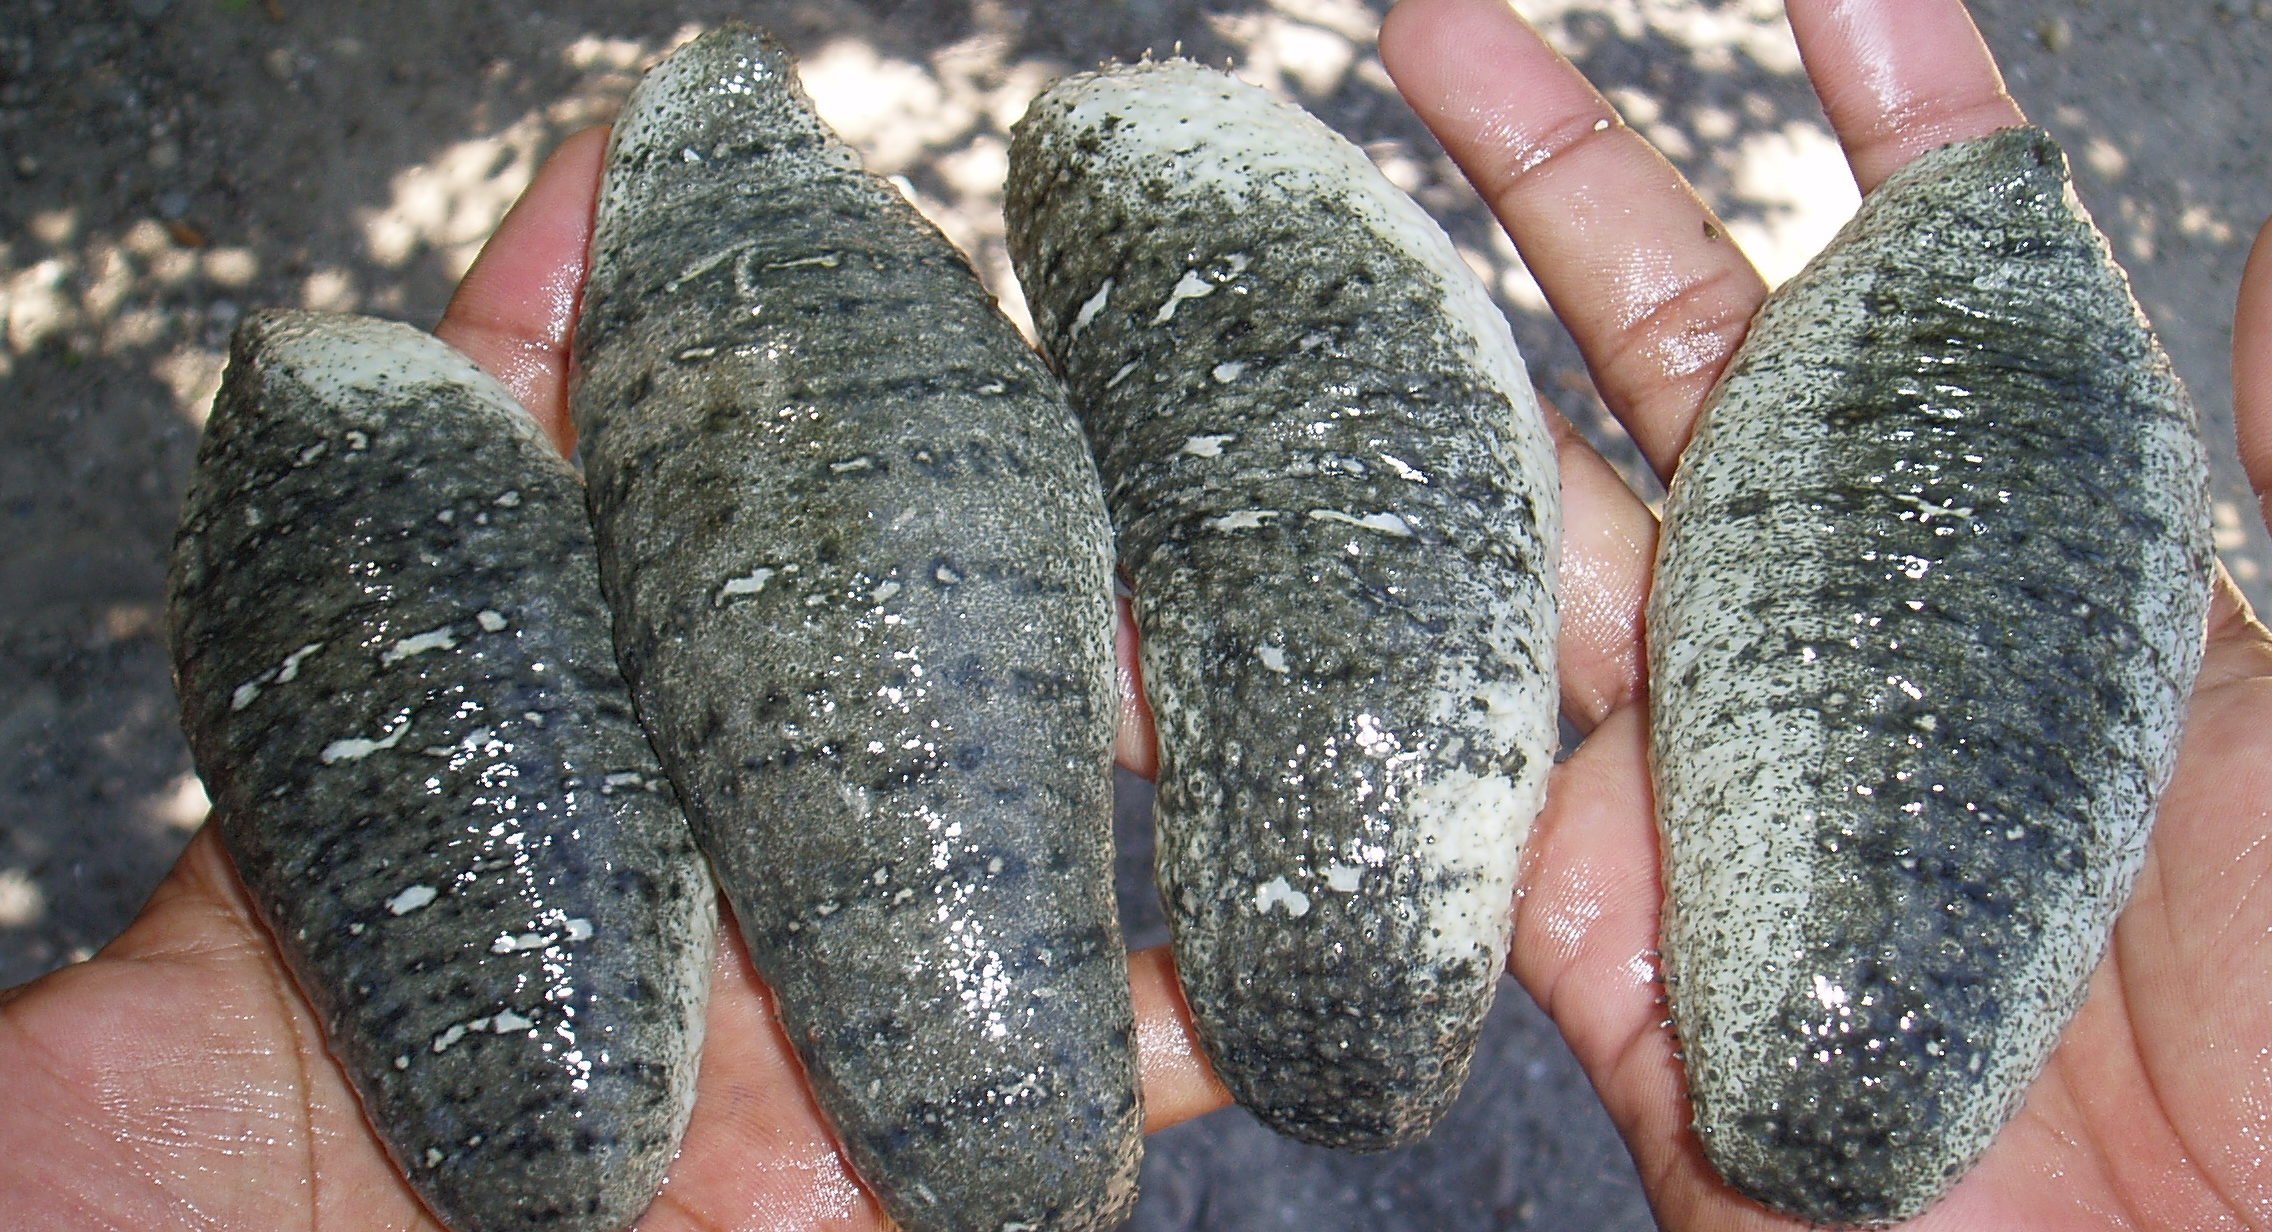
pixel 330 290
pixel 96 297
pixel 182 805
pixel 2232 527
pixel 1796 183
pixel 893 111
pixel 22 902
pixel 450 203
pixel 1716 34
pixel 1296 57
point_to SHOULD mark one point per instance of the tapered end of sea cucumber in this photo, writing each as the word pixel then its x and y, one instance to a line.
pixel 700 116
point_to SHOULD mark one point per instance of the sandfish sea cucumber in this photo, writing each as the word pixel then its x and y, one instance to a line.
pixel 397 680
pixel 1339 507
pixel 861 574
pixel 1929 602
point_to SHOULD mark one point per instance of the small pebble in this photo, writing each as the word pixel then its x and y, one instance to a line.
pixel 2055 34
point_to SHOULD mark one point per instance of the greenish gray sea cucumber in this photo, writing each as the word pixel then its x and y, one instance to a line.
pixel 1339 507
pixel 397 680
pixel 861 576
pixel 1929 602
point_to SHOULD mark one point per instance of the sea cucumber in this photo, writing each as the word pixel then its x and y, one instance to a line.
pixel 1338 504
pixel 396 677
pixel 862 582
pixel 1929 602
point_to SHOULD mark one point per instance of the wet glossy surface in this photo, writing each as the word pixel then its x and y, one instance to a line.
pixel 396 677
pixel 1929 601
pixel 1339 510
pixel 861 575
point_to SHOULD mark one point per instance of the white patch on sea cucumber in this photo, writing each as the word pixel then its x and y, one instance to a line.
pixel 747 584
pixel 1259 150
pixel 1276 893
pixel 1405 470
pixel 356 748
pixel 285 674
pixel 1273 657
pixel 1121 375
pixel 433 1157
pixel 456 1032
pixel 1344 878
pixel 1209 445
pixel 490 620
pixel 444 638
pixel 579 929
pixel 1241 519
pixel 1383 523
pixel 884 592
pixel 507 1021
pixel 1471 829
pixel 508 499
pixel 861 463
pixel 1089 310
pixel 411 899
pixel 1190 286
pixel 705 265
pixel 1928 510
pixel 826 260
pixel 507 943
pixel 1228 371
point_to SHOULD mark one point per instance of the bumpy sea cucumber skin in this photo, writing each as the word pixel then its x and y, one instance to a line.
pixel 1929 603
pixel 862 581
pixel 1339 507
pixel 397 681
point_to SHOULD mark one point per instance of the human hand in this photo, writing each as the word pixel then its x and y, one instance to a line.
pixel 179 1079
pixel 178 1076
pixel 2152 1111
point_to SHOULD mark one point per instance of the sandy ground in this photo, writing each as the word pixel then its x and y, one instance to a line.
pixel 166 165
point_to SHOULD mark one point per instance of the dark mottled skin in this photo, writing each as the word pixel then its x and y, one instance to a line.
pixel 861 575
pixel 521 793
pixel 1312 678
pixel 1929 603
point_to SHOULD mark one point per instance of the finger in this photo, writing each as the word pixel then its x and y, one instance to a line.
pixel 1135 747
pixel 1585 946
pixel 1178 1082
pixel 1586 934
pixel 757 1152
pixel 1645 278
pixel 516 310
pixel 180 1070
pixel 1609 543
pixel 1899 77
pixel 2252 368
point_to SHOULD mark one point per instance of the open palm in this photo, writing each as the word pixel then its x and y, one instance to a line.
pixel 178 1079
pixel 2156 1109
